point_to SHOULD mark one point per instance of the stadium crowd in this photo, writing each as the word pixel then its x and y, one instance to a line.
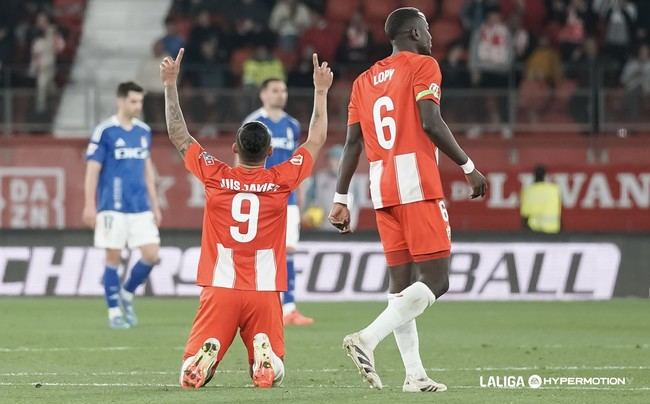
pixel 557 55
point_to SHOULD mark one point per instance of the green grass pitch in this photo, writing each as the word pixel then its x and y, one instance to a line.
pixel 56 350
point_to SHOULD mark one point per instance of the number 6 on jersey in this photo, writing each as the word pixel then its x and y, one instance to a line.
pixel 386 121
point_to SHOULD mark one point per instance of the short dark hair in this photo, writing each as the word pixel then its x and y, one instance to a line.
pixel 124 88
pixel 268 81
pixel 253 141
pixel 398 19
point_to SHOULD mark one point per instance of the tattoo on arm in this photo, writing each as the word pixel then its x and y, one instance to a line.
pixel 176 127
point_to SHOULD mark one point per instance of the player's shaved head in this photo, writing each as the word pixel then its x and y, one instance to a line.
pixel 408 30
pixel 253 142
pixel 402 20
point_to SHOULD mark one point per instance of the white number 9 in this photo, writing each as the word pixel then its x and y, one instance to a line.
pixel 251 217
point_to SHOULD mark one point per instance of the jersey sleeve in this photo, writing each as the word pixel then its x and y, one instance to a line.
pixel 294 171
pixel 201 163
pixel 353 106
pixel 97 147
pixel 427 80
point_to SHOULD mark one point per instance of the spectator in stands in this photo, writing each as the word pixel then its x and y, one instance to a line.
pixel 585 70
pixel 643 21
pixel 301 74
pixel 260 66
pixel 6 47
pixel 321 38
pixel 202 30
pixel 172 41
pixel 577 23
pixel 474 12
pixel 153 107
pixel 541 204
pixel 47 43
pixel 544 63
pixel 250 20
pixel 520 38
pixel 319 191
pixel 636 80
pixel 491 59
pixel 356 45
pixel 289 19
pixel 620 32
pixel 456 76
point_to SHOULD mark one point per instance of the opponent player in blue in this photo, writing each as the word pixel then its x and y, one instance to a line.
pixel 285 131
pixel 120 200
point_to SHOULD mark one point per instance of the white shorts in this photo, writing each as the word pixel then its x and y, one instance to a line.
pixel 115 230
pixel 293 226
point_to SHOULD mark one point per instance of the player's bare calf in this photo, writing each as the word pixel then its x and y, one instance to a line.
pixel 197 370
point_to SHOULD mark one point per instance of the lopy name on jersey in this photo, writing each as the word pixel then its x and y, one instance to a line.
pixel 382 76
pixel 234 185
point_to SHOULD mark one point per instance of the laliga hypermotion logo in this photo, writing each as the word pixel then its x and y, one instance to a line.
pixel 536 381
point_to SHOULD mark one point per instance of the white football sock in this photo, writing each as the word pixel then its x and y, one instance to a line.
pixel 114 312
pixel 406 336
pixel 126 295
pixel 288 308
pixel 405 306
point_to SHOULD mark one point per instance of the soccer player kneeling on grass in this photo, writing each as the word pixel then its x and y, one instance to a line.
pixel 242 268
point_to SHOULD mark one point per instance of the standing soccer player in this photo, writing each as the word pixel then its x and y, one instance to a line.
pixel 120 200
pixel 242 268
pixel 394 113
pixel 285 134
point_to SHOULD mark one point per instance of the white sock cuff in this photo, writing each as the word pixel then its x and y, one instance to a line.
pixel 425 290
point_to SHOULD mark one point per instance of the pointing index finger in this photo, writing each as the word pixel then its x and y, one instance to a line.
pixel 314 58
pixel 179 57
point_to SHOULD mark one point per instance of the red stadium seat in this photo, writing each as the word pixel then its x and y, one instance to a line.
pixel 237 60
pixel 452 8
pixel 378 32
pixel 444 32
pixel 341 10
pixel 428 7
pixel 378 10
pixel 288 58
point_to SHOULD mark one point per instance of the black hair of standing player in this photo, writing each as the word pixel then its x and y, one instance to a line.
pixel 253 142
pixel 123 89
pixel 268 81
pixel 400 21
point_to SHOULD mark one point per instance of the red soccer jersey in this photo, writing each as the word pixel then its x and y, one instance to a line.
pixel 245 220
pixel 403 160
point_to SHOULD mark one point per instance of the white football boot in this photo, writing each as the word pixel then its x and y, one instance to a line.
pixel 426 385
pixel 363 358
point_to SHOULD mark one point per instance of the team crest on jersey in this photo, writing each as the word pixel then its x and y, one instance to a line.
pixel 297 160
pixel 207 158
pixel 143 142
pixel 435 89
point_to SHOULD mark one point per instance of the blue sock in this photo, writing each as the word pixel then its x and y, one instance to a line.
pixel 291 282
pixel 139 274
pixel 111 287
